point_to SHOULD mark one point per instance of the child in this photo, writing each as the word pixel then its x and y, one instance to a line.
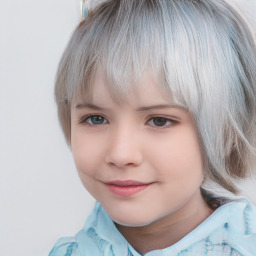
pixel 157 100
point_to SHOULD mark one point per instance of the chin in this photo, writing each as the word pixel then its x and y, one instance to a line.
pixel 131 220
pixel 133 224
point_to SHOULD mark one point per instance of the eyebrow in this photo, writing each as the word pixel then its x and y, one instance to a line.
pixel 140 109
pixel 88 105
pixel 160 106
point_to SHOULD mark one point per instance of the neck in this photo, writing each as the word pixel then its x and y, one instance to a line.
pixel 167 230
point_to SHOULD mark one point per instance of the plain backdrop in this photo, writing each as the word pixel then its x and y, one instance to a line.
pixel 41 197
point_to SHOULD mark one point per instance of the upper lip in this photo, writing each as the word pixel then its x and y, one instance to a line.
pixel 124 183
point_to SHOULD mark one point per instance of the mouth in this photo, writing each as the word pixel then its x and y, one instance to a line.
pixel 126 188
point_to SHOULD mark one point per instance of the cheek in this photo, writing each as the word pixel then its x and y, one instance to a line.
pixel 86 152
pixel 179 156
pixel 189 153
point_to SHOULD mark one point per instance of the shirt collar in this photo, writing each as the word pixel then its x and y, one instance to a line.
pixel 108 235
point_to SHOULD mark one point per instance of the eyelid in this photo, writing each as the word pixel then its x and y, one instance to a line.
pixel 168 117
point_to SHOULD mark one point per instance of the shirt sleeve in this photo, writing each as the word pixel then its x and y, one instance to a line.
pixel 65 247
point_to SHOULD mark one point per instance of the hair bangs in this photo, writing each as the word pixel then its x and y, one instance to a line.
pixel 130 46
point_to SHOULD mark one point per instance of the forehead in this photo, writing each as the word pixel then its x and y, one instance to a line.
pixel 147 90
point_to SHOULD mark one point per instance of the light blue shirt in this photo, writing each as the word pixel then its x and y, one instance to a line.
pixel 230 230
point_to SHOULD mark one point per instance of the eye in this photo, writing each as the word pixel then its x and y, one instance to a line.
pixel 160 122
pixel 95 120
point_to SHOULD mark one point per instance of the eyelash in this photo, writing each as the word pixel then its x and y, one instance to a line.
pixel 86 118
pixel 171 122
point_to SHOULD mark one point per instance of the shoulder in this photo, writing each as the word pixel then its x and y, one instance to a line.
pixel 65 247
pixel 237 232
pixel 241 215
pixel 90 240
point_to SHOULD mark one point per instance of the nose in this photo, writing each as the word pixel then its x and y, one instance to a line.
pixel 124 148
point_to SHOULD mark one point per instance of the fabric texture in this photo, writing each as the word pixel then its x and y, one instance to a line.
pixel 230 230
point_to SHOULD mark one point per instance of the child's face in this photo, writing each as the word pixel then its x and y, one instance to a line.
pixel 140 159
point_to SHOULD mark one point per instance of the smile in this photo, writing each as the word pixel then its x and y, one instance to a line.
pixel 126 188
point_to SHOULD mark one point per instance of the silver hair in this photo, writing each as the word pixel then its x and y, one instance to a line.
pixel 202 53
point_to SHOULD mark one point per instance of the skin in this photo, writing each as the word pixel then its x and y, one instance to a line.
pixel 149 139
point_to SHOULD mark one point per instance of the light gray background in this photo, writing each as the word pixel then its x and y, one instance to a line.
pixel 41 197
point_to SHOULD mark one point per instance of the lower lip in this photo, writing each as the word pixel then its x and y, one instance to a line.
pixel 126 191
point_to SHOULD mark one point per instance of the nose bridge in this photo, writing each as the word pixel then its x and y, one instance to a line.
pixel 124 146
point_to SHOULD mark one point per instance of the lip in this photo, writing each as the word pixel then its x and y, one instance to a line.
pixel 126 188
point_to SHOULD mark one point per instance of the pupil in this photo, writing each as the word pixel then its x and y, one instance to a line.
pixel 97 119
pixel 159 121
